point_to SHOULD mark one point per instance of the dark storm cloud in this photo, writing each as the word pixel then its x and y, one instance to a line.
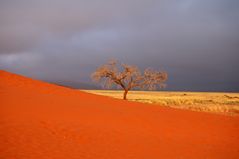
pixel 196 41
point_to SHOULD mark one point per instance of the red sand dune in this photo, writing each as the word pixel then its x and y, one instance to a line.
pixel 45 121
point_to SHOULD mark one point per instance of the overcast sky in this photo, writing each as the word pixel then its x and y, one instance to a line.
pixel 195 41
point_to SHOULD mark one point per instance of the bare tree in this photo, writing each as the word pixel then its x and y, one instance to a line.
pixel 128 77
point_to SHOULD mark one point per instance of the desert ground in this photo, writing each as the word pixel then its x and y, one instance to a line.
pixel 41 120
pixel 214 102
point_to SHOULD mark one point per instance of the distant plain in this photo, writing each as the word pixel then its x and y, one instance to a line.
pixel 215 102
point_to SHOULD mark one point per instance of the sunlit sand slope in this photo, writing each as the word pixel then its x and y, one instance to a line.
pixel 40 120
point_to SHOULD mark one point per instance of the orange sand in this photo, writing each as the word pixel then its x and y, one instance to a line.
pixel 45 121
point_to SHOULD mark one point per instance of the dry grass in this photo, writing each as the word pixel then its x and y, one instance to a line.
pixel 227 103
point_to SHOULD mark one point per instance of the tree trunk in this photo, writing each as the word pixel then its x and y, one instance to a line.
pixel 125 94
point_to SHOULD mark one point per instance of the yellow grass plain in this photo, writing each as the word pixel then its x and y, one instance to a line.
pixel 225 103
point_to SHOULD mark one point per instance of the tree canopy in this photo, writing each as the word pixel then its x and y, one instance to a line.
pixel 128 77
